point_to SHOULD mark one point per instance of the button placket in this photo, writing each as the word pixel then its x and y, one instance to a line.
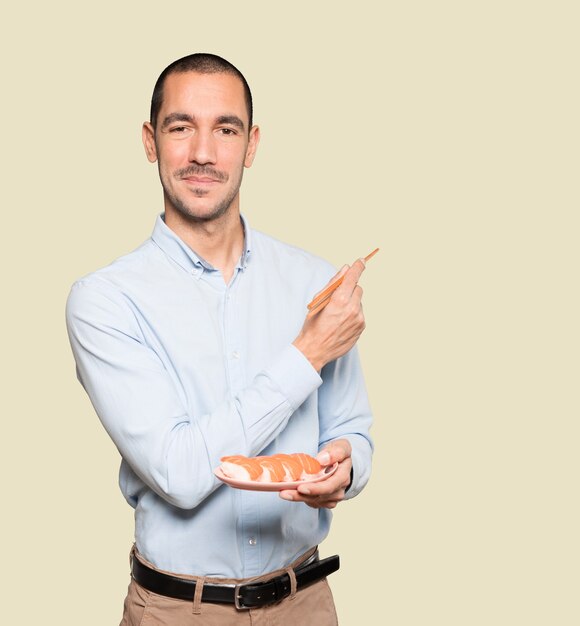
pixel 234 362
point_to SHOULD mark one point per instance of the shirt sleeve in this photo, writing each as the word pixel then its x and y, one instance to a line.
pixel 172 451
pixel 344 413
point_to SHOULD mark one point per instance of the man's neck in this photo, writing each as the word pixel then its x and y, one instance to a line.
pixel 219 242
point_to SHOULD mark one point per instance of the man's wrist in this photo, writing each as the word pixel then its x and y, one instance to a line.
pixel 309 354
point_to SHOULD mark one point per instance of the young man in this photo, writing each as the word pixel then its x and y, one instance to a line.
pixel 197 345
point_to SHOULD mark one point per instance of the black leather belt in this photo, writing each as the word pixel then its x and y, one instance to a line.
pixel 243 596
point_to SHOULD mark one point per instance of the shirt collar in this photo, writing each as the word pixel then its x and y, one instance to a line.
pixel 185 256
pixel 243 262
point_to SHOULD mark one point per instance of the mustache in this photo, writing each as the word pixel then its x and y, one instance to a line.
pixel 202 170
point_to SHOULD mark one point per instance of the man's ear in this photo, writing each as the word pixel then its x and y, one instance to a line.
pixel 149 142
pixel 252 146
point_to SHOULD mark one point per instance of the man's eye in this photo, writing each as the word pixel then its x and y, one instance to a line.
pixel 180 132
pixel 228 131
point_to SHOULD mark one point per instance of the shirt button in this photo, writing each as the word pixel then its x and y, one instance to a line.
pixel 236 354
pixel 252 541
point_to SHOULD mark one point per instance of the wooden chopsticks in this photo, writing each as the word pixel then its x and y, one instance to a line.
pixel 323 298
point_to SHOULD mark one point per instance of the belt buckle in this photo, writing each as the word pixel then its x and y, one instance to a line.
pixel 279 595
pixel 237 599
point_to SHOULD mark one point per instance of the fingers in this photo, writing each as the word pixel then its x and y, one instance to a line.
pixel 343 270
pixel 335 290
pixel 325 489
pixel 326 493
pixel 317 501
pixel 335 452
pixel 339 481
pixel 349 292
pixel 331 331
pixel 327 501
pixel 352 276
pixel 341 297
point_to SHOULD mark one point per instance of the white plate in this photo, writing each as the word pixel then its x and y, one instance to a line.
pixel 256 485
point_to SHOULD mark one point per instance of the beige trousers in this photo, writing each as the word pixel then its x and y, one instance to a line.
pixel 311 605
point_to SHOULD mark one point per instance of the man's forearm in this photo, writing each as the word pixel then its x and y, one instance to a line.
pixel 172 451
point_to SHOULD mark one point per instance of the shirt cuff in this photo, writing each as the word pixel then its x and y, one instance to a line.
pixel 361 465
pixel 294 376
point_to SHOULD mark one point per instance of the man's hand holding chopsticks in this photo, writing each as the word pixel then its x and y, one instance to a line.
pixel 332 331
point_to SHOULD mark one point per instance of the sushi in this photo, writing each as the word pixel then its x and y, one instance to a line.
pixel 271 469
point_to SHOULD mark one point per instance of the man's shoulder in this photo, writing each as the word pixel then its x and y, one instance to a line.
pixel 288 254
pixel 121 272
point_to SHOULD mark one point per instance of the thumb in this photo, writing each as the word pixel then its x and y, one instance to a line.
pixel 336 451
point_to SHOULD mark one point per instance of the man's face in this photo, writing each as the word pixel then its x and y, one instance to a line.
pixel 201 143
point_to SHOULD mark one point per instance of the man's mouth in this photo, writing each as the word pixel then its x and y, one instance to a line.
pixel 200 180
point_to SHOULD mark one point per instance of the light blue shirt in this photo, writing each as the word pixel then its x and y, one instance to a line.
pixel 183 369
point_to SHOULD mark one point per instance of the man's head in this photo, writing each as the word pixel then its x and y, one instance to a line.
pixel 202 136
pixel 203 63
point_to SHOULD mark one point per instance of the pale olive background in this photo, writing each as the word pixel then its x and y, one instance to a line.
pixel 444 132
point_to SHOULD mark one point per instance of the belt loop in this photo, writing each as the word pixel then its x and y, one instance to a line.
pixel 197 595
pixel 293 585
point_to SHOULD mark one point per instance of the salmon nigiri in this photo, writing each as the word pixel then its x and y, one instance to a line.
pixel 310 464
pixel 241 467
pixel 276 468
pixel 292 466
pixel 273 468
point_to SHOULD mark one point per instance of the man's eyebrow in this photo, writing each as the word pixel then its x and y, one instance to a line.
pixel 176 117
pixel 234 120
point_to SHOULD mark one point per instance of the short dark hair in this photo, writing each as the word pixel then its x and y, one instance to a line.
pixel 203 63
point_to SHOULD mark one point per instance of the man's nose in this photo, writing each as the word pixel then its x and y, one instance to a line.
pixel 202 148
